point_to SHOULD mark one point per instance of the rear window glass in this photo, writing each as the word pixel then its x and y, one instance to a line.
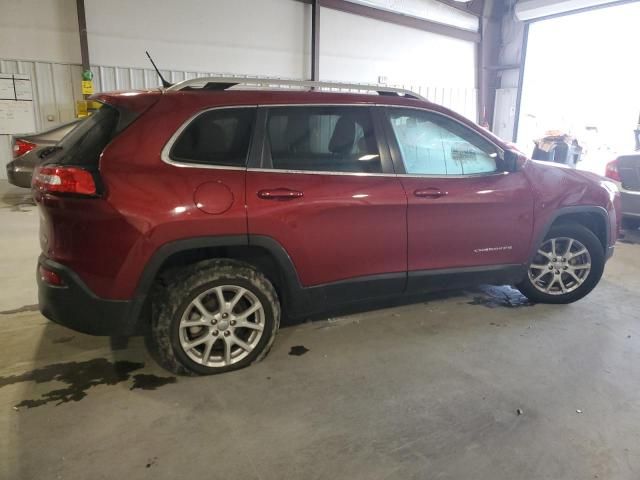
pixel 84 144
pixel 216 137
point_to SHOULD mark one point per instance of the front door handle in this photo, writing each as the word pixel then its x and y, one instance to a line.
pixel 279 194
pixel 430 193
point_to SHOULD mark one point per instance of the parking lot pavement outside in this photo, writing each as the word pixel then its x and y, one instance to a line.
pixel 473 384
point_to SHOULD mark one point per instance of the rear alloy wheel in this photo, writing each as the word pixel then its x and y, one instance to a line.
pixel 221 326
pixel 213 317
pixel 566 267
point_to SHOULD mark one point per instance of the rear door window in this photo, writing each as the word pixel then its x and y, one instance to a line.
pixel 217 137
pixel 322 139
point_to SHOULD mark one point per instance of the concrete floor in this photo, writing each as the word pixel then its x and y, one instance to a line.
pixel 422 391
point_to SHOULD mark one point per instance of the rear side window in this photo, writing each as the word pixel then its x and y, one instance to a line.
pixel 324 139
pixel 84 144
pixel 216 137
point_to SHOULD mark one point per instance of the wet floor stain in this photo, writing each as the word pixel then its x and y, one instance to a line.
pixel 24 308
pixel 150 382
pixel 63 339
pixel 15 201
pixel 298 350
pixel 503 296
pixel 80 377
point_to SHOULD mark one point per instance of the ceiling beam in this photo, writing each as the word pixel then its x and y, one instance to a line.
pixel 401 19
pixel 474 7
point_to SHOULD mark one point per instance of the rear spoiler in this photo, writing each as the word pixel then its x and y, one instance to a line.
pixel 136 101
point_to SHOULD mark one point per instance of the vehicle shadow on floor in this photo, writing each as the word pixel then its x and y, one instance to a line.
pixel 70 367
pixel 17 199
pixel 82 362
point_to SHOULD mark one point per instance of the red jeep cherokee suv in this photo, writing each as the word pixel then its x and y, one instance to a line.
pixel 198 214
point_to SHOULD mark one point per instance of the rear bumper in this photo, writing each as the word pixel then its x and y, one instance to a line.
pixel 630 203
pixel 19 176
pixel 76 307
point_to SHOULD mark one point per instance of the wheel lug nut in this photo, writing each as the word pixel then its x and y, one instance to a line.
pixel 550 267
pixel 233 322
pixel 214 321
pixel 224 315
pixel 557 271
pixel 226 334
pixel 215 333
pixel 555 259
pixel 564 259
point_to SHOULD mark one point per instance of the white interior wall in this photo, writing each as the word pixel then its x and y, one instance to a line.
pixel 357 49
pixel 44 30
pixel 360 49
pixel 243 37
pixel 427 9
pixel 270 37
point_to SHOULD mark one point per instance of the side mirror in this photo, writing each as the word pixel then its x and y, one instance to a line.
pixel 510 159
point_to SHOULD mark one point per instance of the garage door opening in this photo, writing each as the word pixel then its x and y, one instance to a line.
pixel 581 78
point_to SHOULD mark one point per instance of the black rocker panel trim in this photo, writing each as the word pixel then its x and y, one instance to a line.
pixel 299 300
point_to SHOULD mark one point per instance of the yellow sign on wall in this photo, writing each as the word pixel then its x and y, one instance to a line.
pixel 86 107
pixel 87 87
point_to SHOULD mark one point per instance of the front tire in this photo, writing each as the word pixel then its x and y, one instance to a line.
pixel 214 317
pixel 566 267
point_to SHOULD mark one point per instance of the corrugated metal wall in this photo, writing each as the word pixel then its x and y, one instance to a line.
pixel 56 87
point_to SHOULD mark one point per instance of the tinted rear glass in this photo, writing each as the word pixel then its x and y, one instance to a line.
pixel 216 137
pixel 84 144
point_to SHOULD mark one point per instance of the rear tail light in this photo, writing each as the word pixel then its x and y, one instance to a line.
pixel 50 277
pixel 64 180
pixel 20 147
pixel 612 171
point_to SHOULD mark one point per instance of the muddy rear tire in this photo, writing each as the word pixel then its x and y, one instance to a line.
pixel 213 317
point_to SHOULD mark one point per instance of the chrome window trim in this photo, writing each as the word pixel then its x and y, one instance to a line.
pixel 320 172
pixel 166 150
pixel 361 174
pixel 471 175
pixel 164 155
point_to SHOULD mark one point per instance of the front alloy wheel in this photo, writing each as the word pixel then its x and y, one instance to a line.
pixel 567 265
pixel 560 266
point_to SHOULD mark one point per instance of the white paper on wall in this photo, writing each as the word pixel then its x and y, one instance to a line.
pixel 17 113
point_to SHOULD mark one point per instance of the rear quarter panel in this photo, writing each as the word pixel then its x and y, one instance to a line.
pixel 146 203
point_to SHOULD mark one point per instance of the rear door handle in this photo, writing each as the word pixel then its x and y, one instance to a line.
pixel 430 193
pixel 279 194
